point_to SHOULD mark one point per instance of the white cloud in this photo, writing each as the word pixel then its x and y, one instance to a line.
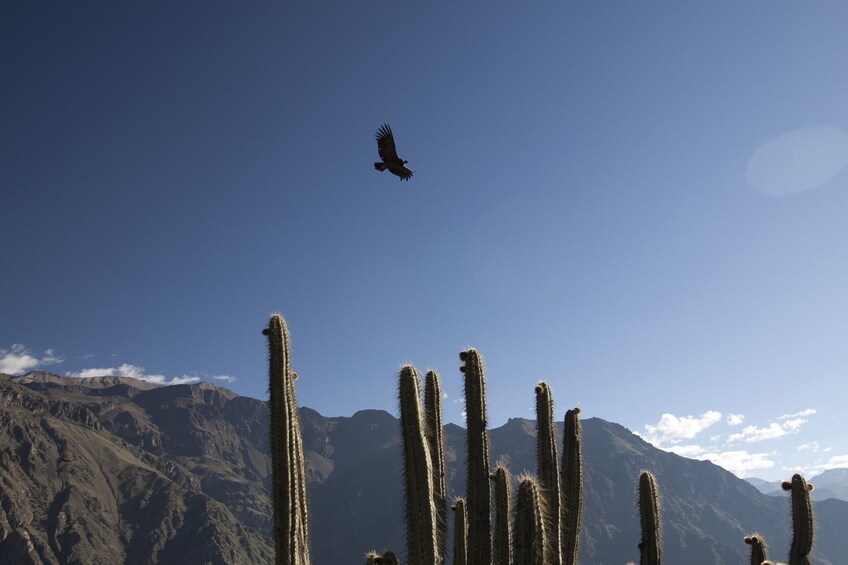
pixel 752 434
pixel 225 378
pixel 135 372
pixel 18 359
pixel 801 414
pixel 740 463
pixel 691 451
pixel 812 446
pixel 835 462
pixel 735 419
pixel 673 429
pixel 791 423
pixel 183 380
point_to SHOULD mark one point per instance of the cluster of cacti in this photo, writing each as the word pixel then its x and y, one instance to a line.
pixel 291 536
pixel 545 525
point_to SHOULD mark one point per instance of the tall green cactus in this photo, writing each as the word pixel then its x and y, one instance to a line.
pixel 802 520
pixel 478 491
pixel 291 535
pixel 649 512
pixel 571 511
pixel 436 443
pixel 548 472
pixel 421 542
pixel 460 533
pixel 502 538
pixel 529 535
pixel 758 548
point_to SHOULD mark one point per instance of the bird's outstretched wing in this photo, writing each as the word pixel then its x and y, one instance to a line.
pixel 386 144
pixel 401 170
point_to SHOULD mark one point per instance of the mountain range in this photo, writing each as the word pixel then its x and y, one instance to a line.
pixel 111 470
pixel 832 483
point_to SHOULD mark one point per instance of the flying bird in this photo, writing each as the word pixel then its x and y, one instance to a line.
pixel 388 153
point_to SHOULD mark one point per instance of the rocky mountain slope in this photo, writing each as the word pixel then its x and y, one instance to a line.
pixel 114 470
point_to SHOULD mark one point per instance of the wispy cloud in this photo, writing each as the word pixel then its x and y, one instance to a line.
pixel 673 429
pixel 19 359
pixel 801 414
pixel 225 378
pixel 135 372
pixel 788 424
pixel 814 446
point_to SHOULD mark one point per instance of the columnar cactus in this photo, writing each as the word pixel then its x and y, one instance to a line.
pixel 502 538
pixel 758 548
pixel 802 520
pixel 571 509
pixel 548 472
pixel 460 533
pixel 421 543
pixel 436 442
pixel 529 535
pixel 649 512
pixel 291 536
pixel 478 493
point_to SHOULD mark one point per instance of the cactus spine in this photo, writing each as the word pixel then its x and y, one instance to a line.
pixel 802 520
pixel 291 536
pixel 501 540
pixel 548 473
pixel 460 533
pixel 571 509
pixel 758 548
pixel 529 533
pixel 477 489
pixel 436 442
pixel 649 512
pixel 421 544
pixel 387 558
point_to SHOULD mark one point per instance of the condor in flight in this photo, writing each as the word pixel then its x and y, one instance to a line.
pixel 388 153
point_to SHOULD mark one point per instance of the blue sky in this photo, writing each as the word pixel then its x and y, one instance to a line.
pixel 642 203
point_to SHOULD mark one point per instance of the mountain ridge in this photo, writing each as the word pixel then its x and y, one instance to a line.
pixel 181 473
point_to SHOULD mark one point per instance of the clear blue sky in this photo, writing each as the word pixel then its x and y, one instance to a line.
pixel 644 203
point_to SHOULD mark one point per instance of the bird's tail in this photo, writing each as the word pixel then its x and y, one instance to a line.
pixel 380 166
